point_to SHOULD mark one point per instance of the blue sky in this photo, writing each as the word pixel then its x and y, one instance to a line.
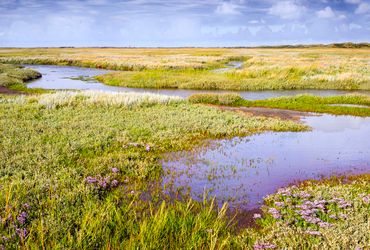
pixel 27 23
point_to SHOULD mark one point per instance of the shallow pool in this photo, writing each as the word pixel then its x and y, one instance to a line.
pixel 244 170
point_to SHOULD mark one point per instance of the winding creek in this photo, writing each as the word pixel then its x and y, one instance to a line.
pixel 244 170
pixel 67 77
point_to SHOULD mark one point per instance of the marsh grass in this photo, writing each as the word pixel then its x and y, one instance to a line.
pixel 120 58
pixel 101 98
pixel 189 68
pixel 263 69
pixel 217 99
pixel 12 75
pixel 80 176
pixel 306 103
pixel 75 176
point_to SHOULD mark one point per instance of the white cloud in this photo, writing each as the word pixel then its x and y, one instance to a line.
pixel 325 13
pixel 363 8
pixel 227 8
pixel 353 26
pixel 287 10
pixel 276 28
pixel 353 1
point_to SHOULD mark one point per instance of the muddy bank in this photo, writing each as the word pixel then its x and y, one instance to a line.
pixel 6 91
pixel 269 112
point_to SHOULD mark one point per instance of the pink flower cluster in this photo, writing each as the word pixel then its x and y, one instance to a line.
pixel 137 145
pixel 365 198
pixel 275 213
pixel 17 227
pixel 103 182
pixel 259 246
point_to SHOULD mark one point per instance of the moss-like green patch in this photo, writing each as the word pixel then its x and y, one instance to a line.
pixel 306 103
pixel 14 77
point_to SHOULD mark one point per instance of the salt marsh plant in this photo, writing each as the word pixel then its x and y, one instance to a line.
pixel 263 69
pixel 339 105
pixel 217 99
pixel 333 214
pixel 189 68
pixel 120 58
pixel 101 98
pixel 11 75
pixel 89 170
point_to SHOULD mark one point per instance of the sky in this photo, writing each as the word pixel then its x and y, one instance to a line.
pixel 176 23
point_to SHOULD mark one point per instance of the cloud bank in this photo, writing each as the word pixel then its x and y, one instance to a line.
pixel 27 23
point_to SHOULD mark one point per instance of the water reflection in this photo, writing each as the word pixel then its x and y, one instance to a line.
pixel 244 170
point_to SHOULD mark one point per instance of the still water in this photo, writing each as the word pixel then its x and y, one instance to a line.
pixel 244 170
pixel 67 77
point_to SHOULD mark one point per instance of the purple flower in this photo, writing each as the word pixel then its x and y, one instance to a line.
pixel 310 219
pixel 103 183
pixel 324 224
pixel 344 204
pixel 22 218
pixel 284 192
pixel 307 212
pixel 365 198
pixel 21 232
pixel 26 206
pixel 147 148
pixel 275 213
pixel 303 207
pixel 279 204
pixel 312 232
pixel 114 183
pixel 257 216
pixel 115 170
pixel 264 246
pixel 303 194
pixel 343 216
pixel 91 180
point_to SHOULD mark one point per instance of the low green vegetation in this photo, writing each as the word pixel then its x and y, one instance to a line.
pixel 306 103
pixel 15 77
pixel 330 214
pixel 80 170
pixel 217 99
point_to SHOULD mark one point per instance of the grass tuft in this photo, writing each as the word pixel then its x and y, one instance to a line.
pixel 217 99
